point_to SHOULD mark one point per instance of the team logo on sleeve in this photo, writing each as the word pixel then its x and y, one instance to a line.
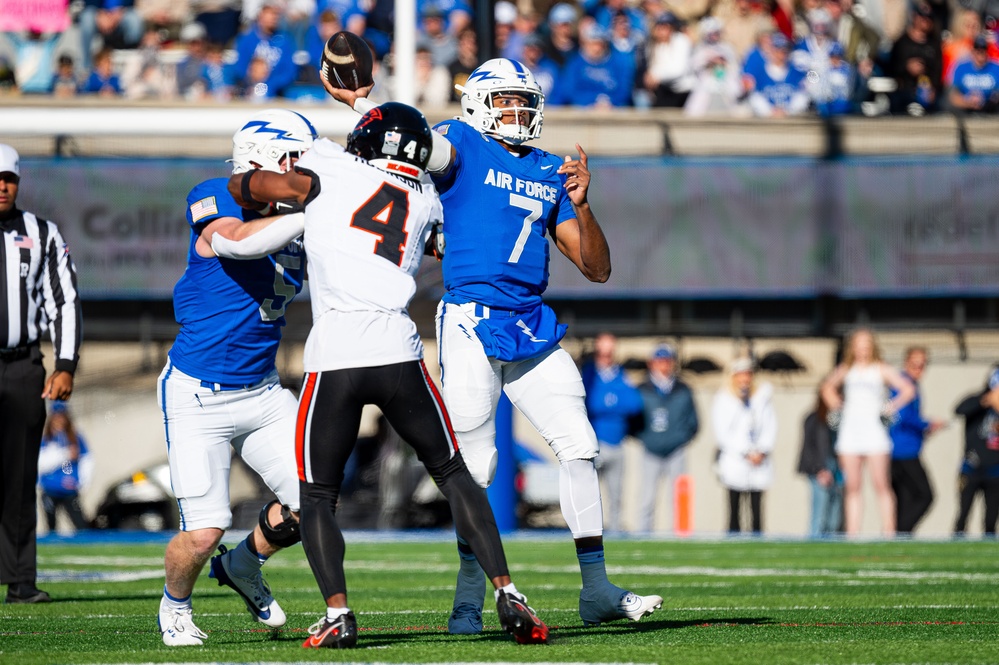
pixel 204 208
pixel 442 129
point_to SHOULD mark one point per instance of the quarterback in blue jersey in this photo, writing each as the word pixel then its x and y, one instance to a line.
pixel 220 387
pixel 502 199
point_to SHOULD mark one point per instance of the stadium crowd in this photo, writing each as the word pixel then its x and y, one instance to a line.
pixel 740 58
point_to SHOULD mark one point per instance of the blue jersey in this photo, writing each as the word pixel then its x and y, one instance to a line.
pixel 230 311
pixel 984 81
pixel 497 208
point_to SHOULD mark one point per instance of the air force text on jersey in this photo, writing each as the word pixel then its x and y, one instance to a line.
pixel 537 190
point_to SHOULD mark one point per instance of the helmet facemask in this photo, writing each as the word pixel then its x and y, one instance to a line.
pixel 496 79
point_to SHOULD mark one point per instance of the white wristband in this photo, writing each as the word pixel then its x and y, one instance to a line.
pixel 362 105
pixel 268 240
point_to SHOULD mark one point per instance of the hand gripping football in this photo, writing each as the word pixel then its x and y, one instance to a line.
pixel 347 61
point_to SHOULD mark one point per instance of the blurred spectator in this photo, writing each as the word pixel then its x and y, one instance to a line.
pixel 216 79
pixel 265 45
pixel 611 402
pixel 64 82
pixel 718 85
pixel 817 460
pixel 442 46
pixel 860 41
pixel 545 71
pixel 189 69
pixel 64 467
pixel 465 62
pixel 624 37
pixel 743 22
pixel 433 81
pixel 597 76
pixel 254 86
pixel 561 44
pixel 811 52
pixel 524 25
pixel 913 493
pixel 458 14
pixel 352 14
pixel 835 90
pixel 980 466
pixel 143 75
pixel 863 412
pixel 504 18
pixel 778 88
pixel 166 15
pixel 220 17
pixel 669 73
pixel 113 24
pixel 8 82
pixel 958 44
pixel 669 424
pixel 103 82
pixel 34 60
pixel 976 81
pixel 916 64
pixel 326 25
pixel 610 10
pixel 745 427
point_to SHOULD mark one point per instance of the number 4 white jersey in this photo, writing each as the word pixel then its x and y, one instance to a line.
pixel 365 232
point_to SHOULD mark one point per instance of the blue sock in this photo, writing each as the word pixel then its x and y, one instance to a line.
pixel 244 561
pixel 591 566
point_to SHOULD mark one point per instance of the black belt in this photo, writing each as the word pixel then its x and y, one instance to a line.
pixel 15 353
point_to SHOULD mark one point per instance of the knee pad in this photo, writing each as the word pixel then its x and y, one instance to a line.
pixel 284 534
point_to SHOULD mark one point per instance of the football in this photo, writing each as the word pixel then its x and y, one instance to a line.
pixel 347 61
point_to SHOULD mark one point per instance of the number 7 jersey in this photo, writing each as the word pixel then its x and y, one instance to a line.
pixel 498 207
pixel 365 233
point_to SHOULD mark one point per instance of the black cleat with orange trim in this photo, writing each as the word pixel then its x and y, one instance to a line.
pixel 339 633
pixel 520 620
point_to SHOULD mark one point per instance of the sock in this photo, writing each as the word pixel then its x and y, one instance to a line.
pixel 591 566
pixel 170 603
pixel 510 590
pixel 243 561
pixel 471 587
pixel 333 612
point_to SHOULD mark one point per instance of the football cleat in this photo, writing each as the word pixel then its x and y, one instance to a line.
pixel 178 629
pixel 338 633
pixel 616 604
pixel 253 590
pixel 520 620
pixel 465 619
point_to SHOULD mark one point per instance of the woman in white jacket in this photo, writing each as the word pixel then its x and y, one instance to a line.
pixel 745 427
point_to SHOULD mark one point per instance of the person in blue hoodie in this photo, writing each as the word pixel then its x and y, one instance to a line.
pixel 63 467
pixel 266 41
pixel 913 493
pixel 611 402
pixel 670 422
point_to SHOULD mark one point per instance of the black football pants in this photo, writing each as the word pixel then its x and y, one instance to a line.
pixel 329 417
pixel 913 494
pixel 22 417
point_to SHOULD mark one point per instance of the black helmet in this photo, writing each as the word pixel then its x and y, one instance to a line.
pixel 394 137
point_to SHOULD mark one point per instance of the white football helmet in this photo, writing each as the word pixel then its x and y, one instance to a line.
pixel 269 137
pixel 497 76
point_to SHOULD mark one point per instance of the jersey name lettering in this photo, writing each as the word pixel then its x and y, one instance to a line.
pixel 527 187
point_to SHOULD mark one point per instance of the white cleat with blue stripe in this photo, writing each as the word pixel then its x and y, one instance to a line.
pixel 253 590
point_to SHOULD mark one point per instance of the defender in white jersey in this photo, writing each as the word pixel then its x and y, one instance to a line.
pixel 369 214
pixel 501 198
pixel 220 391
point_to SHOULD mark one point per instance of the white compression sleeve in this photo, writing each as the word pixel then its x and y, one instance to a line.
pixel 268 240
pixel 579 498
pixel 362 105
pixel 440 154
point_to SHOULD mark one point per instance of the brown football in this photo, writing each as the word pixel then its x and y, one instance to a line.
pixel 347 61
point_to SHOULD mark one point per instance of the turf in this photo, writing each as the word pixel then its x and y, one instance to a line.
pixel 730 601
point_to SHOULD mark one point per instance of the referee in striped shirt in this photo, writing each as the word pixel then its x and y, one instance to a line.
pixel 37 292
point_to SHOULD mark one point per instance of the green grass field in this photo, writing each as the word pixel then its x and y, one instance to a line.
pixel 737 601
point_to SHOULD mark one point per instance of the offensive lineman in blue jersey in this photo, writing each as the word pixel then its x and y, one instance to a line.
pixel 220 387
pixel 501 198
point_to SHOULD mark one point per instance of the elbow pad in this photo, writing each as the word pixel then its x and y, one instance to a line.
pixel 274 237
